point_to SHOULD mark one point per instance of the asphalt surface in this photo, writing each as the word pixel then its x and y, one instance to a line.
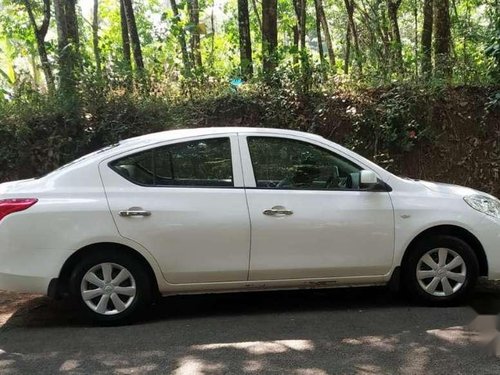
pixel 343 331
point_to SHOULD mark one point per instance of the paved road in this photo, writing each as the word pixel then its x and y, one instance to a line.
pixel 348 331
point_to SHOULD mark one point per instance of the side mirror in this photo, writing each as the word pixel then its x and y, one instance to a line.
pixel 368 179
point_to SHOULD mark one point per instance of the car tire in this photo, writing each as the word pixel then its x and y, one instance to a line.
pixel 111 287
pixel 440 270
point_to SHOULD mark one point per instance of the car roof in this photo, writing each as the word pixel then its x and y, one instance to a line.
pixel 186 133
pixel 168 135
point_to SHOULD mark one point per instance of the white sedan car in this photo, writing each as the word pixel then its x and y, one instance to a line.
pixel 238 209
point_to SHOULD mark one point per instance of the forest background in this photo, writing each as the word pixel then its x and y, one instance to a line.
pixel 411 84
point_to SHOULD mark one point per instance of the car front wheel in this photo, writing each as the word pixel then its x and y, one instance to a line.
pixel 441 270
pixel 111 288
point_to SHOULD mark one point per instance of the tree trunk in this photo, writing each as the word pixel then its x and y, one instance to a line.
pixel 318 33
pixel 194 18
pixel 303 14
pixel 127 57
pixel 40 34
pixel 245 39
pixel 349 4
pixel 133 34
pixel 181 37
pixel 384 27
pixel 257 15
pixel 347 55
pixel 212 37
pixel 442 39
pixel 427 39
pixel 296 38
pixel 397 52
pixel 67 44
pixel 415 39
pixel 95 37
pixel 326 31
pixel 269 35
pixel 72 24
pixel 379 51
pixel 300 13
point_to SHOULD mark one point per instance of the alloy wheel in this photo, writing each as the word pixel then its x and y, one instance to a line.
pixel 441 272
pixel 108 289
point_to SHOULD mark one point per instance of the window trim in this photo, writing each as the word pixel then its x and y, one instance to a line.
pixel 153 147
pixel 249 173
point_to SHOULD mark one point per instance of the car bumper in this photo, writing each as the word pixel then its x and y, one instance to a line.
pixel 24 284
pixel 489 236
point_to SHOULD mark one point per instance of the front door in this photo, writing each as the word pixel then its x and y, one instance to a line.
pixel 185 203
pixel 310 217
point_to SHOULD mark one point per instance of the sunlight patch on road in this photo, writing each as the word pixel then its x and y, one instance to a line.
pixel 137 370
pixel 310 371
pixel 261 347
pixel 252 366
pixel 377 342
pixel 367 369
pixel 458 335
pixel 69 365
pixel 416 360
pixel 191 365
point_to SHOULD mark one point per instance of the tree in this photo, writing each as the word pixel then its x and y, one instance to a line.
pixel 40 34
pixel 347 53
pixel 246 63
pixel 181 36
pixel 397 51
pixel 374 17
pixel 269 35
pixel 318 33
pixel 257 15
pixel 127 55
pixel 349 4
pixel 95 36
pixel 300 13
pixel 68 42
pixel 320 14
pixel 194 18
pixel 426 49
pixel 133 34
pixel 442 39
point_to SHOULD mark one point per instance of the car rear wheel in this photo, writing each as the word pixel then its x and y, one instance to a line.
pixel 441 270
pixel 111 288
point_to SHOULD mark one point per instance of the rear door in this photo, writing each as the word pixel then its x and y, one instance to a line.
pixel 185 203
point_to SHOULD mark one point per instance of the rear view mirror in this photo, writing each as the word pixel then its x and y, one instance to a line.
pixel 368 178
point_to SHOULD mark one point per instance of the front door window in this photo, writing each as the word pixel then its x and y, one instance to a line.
pixel 281 163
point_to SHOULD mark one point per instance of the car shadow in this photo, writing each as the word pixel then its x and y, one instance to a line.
pixel 45 312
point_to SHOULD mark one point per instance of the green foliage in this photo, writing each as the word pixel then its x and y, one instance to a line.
pixel 38 133
pixel 473 33
pixel 381 110
pixel 390 125
pixel 493 51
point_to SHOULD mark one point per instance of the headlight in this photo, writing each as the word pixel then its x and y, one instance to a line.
pixel 484 204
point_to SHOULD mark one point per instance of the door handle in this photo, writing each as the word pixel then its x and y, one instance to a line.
pixel 278 211
pixel 134 212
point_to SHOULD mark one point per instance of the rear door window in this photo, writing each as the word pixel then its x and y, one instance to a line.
pixel 200 163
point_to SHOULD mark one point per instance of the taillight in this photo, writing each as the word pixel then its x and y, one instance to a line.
pixel 9 206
